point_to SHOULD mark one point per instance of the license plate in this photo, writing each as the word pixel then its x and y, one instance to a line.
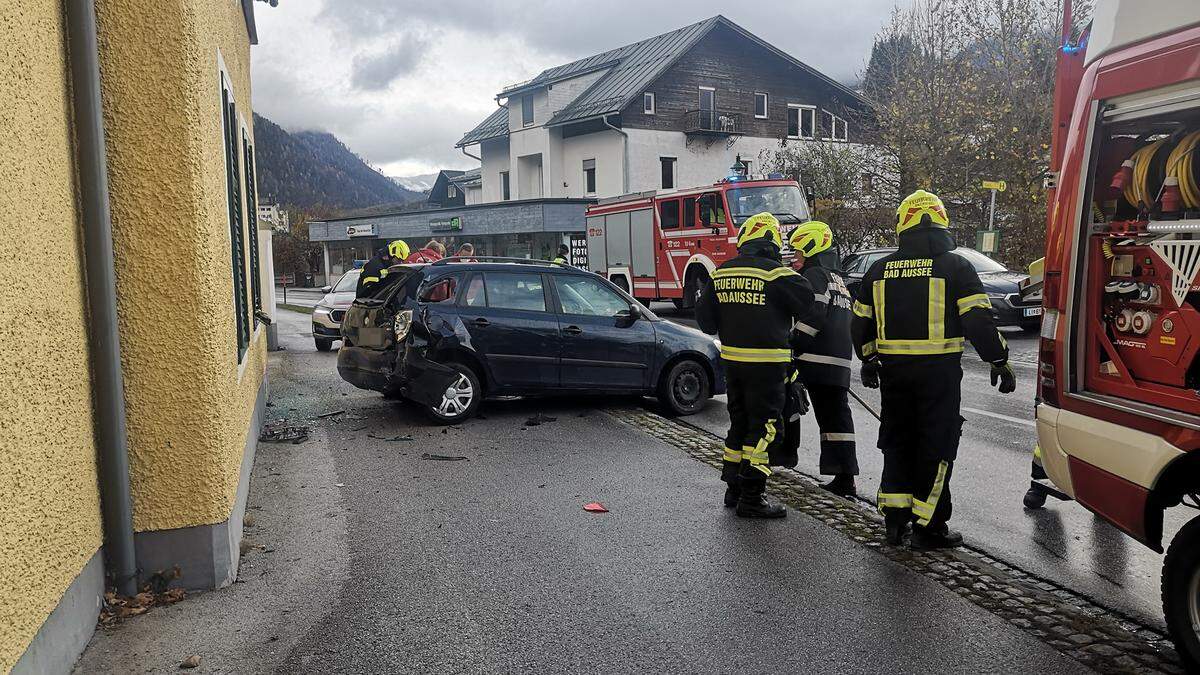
pixel 1033 311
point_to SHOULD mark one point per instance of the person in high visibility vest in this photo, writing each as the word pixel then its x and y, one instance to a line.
pixel 564 252
pixel 912 314
pixel 376 269
pixel 821 342
pixel 751 303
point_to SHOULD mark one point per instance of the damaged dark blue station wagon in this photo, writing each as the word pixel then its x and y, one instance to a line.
pixel 448 334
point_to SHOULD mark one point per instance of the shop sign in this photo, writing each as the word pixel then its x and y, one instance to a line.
pixel 579 250
pixel 361 230
pixel 446 225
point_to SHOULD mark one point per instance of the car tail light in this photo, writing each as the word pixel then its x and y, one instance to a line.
pixel 403 324
pixel 1047 353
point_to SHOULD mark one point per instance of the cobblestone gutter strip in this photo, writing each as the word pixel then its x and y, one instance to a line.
pixel 1069 623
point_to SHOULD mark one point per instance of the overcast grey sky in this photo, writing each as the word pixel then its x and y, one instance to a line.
pixel 400 81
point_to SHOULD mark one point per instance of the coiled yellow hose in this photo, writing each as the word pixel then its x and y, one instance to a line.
pixel 1137 192
pixel 1179 166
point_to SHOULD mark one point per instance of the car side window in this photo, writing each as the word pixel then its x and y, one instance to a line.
pixel 852 263
pixel 438 290
pixel 476 293
pixel 515 290
pixel 588 297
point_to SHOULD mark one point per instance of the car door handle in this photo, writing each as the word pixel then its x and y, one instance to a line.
pixel 481 322
pixel 572 330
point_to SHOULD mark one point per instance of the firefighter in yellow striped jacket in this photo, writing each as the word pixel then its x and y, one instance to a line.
pixel 912 313
pixel 751 302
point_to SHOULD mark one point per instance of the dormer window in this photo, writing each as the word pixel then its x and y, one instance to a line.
pixel 527 110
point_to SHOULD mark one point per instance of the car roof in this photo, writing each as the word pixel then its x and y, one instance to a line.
pixel 496 264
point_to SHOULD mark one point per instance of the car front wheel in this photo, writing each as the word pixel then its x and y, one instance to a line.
pixel 684 389
pixel 461 399
pixel 1181 594
pixel 323 345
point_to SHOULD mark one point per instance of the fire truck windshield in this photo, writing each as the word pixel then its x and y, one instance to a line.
pixel 785 202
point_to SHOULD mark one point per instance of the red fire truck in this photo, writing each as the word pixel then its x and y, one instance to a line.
pixel 664 245
pixel 1118 411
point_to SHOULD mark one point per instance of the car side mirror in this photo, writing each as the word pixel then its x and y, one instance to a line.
pixel 326 289
pixel 627 317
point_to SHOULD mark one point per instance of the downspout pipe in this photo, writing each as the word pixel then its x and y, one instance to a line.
pixel 624 154
pixel 108 383
pixel 464 151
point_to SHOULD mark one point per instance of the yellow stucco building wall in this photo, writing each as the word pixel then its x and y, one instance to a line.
pixel 49 503
pixel 189 400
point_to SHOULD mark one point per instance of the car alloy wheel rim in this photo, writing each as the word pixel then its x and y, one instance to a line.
pixel 1193 595
pixel 457 398
pixel 687 387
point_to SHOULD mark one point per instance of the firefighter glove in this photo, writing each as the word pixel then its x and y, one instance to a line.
pixel 870 374
pixel 1003 373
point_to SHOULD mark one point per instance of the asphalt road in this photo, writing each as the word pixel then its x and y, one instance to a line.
pixel 1064 542
pixel 490 563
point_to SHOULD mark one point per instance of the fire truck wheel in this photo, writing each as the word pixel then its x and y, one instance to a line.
pixel 1181 594
pixel 684 389
pixel 695 285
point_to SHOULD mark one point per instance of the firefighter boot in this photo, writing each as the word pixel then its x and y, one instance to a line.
pixel 926 538
pixel 1035 497
pixel 842 485
pixel 733 485
pixel 753 501
pixel 896 526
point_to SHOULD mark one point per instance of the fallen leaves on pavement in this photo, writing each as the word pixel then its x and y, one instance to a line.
pixel 595 507
pixel 393 439
pixel 117 608
pixel 443 458
pixel 192 661
pixel 283 431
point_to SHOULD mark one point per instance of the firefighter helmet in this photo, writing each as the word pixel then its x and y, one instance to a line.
pixel 398 249
pixel 919 208
pixel 811 238
pixel 760 226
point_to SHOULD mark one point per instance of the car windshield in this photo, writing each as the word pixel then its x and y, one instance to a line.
pixel 348 282
pixel 786 202
pixel 979 261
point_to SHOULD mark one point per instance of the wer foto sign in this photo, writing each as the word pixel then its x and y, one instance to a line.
pixel 360 230
pixel 446 225
pixel 997 185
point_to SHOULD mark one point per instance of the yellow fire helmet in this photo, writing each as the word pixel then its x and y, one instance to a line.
pixel 916 206
pixel 811 238
pixel 760 226
pixel 398 249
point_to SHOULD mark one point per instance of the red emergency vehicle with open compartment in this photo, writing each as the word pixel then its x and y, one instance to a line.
pixel 1118 410
pixel 664 245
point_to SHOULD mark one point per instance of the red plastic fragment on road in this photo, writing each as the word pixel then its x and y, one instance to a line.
pixel 595 507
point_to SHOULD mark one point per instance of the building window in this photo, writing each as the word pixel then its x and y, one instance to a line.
pixel 526 110
pixel 252 228
pixel 760 105
pixel 648 103
pixel 589 176
pixel 504 193
pixel 833 128
pixel 233 201
pixel 801 121
pixel 451 191
pixel 668 172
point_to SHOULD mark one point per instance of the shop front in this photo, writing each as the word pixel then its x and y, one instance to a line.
pixel 515 229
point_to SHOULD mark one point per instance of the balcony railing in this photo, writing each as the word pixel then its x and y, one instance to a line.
pixel 712 122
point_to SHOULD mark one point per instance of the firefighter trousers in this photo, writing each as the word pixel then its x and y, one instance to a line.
pixel 919 436
pixel 831 407
pixel 756 395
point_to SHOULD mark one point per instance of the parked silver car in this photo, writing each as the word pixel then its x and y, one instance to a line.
pixel 330 310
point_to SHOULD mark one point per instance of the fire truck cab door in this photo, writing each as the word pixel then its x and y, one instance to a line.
pixel 691 225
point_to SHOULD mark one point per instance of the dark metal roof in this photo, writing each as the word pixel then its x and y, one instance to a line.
pixel 495 126
pixel 631 70
pixel 466 178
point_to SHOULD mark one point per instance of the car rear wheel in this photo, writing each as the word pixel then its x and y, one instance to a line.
pixel 1181 594
pixel 323 345
pixel 461 399
pixel 684 389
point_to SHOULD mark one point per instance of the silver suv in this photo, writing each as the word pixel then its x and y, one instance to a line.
pixel 327 315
